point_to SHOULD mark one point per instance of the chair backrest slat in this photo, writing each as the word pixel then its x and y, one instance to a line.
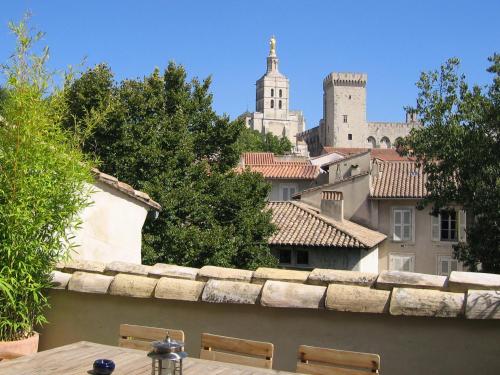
pixel 315 369
pixel 319 360
pixel 141 337
pixel 248 352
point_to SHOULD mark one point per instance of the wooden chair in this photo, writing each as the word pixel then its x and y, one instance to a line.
pixel 141 337
pixel 234 350
pixel 322 361
pixel 5 356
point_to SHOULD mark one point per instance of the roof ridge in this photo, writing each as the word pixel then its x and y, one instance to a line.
pixel 362 174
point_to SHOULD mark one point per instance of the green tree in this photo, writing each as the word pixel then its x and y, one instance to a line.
pixel 43 179
pixel 460 152
pixel 254 141
pixel 161 135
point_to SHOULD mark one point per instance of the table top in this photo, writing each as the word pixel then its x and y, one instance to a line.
pixel 77 358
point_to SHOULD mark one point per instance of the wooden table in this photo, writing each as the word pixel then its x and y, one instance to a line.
pixel 77 359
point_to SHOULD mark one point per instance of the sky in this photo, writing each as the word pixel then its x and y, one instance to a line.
pixel 391 41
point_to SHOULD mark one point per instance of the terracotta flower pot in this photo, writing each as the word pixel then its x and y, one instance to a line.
pixel 23 347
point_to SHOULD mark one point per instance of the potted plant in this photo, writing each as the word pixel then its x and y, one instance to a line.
pixel 43 188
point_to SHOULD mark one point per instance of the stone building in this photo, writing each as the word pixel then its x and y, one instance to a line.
pixel 272 103
pixel 344 122
pixel 381 193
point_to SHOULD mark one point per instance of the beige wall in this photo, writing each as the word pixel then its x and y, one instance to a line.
pixel 112 227
pixel 407 345
pixel 275 193
pixel 425 250
pixel 355 190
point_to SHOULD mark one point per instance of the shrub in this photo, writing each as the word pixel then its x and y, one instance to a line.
pixel 43 187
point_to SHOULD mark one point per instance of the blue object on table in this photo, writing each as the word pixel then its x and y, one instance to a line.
pixel 103 367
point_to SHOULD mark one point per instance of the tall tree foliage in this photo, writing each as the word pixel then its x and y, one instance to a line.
pixel 253 141
pixel 460 151
pixel 43 179
pixel 161 135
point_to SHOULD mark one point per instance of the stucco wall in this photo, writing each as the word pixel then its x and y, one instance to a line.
pixel 407 345
pixel 275 193
pixel 112 227
pixel 425 250
pixel 355 190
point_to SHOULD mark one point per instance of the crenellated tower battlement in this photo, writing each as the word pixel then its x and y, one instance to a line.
pixel 345 79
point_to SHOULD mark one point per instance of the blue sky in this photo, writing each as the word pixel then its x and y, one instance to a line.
pixel 392 41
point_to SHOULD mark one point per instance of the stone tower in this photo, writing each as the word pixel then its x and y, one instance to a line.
pixel 344 110
pixel 272 108
pixel 272 89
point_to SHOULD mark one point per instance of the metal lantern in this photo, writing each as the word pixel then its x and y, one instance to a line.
pixel 167 357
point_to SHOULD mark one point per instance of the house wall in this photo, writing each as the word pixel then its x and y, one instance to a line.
pixel 425 250
pixel 111 228
pixel 351 166
pixel 407 345
pixel 275 194
pixel 356 203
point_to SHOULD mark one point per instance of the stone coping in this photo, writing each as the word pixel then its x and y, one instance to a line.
pixel 465 295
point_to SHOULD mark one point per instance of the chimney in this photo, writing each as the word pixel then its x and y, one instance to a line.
pixel 332 204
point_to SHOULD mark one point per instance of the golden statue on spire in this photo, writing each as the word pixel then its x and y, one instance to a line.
pixel 272 45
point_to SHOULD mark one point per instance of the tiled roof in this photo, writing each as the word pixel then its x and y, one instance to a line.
pixel 384 154
pixel 399 180
pixel 256 158
pixel 287 171
pixel 125 188
pixel 276 167
pixel 302 225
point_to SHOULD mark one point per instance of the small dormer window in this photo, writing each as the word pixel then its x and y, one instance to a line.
pixel 279 104
pixel 281 93
pixel 272 103
pixel 272 92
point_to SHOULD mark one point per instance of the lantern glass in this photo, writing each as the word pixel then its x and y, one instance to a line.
pixel 166 366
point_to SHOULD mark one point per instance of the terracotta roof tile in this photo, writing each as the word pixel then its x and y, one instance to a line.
pixel 301 225
pixel 256 158
pixel 278 167
pixel 287 171
pixel 400 179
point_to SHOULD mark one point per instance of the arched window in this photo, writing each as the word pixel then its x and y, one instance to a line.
pixel 272 92
pixel 385 143
pixel 281 93
pixel 272 103
pixel 372 143
pixel 279 104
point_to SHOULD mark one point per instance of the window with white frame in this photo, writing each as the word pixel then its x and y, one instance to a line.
pixel 446 264
pixel 449 226
pixel 287 191
pixel 402 224
pixel 402 262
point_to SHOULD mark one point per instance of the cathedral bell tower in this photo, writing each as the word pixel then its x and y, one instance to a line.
pixel 272 89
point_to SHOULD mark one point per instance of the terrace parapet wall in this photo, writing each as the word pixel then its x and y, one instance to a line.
pixel 462 295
